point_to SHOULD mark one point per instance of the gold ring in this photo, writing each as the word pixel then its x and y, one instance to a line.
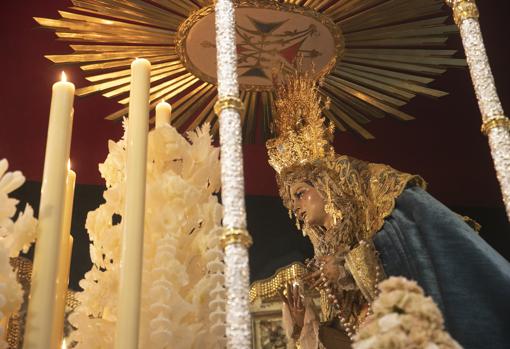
pixel 236 236
pixel 228 102
pixel 496 121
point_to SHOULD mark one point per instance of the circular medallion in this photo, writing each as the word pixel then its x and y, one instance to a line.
pixel 270 36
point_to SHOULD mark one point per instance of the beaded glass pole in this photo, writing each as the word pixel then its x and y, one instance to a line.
pixel 236 238
pixel 494 122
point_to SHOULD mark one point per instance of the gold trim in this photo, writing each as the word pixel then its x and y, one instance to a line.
pixel 463 9
pixel 16 321
pixel 236 236
pixel 195 17
pixel 365 268
pixel 493 122
pixel 267 289
pixel 228 102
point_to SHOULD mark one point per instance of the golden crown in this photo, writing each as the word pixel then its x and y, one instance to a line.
pixel 300 132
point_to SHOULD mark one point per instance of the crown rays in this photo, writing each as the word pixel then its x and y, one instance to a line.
pixel 393 49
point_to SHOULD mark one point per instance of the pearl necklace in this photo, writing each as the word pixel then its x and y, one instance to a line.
pixel 348 325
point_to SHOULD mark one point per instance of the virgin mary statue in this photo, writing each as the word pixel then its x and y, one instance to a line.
pixel 369 221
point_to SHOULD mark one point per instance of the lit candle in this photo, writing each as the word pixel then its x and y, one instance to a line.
pixel 163 114
pixel 66 244
pixel 128 316
pixel 41 307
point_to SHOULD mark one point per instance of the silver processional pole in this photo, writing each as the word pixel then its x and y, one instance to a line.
pixel 236 238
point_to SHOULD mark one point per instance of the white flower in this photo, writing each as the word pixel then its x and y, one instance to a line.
pixel 7 211
pixel 389 321
pixel 15 235
pixel 403 318
pixel 9 181
pixel 182 217
pixel 23 232
pixel 365 344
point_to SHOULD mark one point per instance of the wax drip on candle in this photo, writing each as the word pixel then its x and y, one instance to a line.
pixel 63 77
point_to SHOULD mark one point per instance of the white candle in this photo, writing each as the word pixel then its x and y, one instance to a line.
pixel 163 114
pixel 66 244
pixel 128 316
pixel 41 306
pixel 61 297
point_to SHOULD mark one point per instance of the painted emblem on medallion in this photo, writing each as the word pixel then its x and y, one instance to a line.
pixel 268 37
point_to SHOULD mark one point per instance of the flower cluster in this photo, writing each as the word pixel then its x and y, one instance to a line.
pixel 404 319
pixel 182 268
pixel 15 235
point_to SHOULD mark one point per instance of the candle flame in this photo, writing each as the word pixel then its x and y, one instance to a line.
pixel 69 164
pixel 64 345
pixel 64 77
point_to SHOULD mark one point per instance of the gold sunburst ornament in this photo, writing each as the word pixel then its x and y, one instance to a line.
pixel 374 55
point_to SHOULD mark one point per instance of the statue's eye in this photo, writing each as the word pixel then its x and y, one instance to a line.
pixel 299 194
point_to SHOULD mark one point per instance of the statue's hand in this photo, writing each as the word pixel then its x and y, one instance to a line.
pixel 294 300
pixel 332 273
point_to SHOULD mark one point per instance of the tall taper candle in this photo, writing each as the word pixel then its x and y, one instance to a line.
pixel 128 315
pixel 41 306
pixel 62 287
pixel 163 113
pixel 66 245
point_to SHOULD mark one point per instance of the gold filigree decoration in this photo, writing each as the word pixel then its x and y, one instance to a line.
pixel 301 135
pixel 362 193
pixel 365 194
pixel 364 266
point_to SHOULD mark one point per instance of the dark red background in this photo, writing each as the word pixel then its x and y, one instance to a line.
pixel 443 144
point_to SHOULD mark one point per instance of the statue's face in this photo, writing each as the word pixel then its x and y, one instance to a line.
pixel 308 204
